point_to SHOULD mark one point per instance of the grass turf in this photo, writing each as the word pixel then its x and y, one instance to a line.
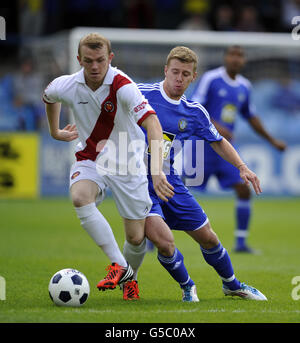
pixel 40 237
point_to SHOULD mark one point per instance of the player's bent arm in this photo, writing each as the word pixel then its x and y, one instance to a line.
pixel 257 125
pixel 223 131
pixel 155 140
pixel 163 189
pixel 228 153
pixel 68 133
pixel 53 114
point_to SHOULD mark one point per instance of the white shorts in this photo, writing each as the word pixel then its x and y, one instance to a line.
pixel 130 192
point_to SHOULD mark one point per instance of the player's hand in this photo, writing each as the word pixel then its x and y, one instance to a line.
pixel 279 145
pixel 67 134
pixel 249 176
pixel 162 187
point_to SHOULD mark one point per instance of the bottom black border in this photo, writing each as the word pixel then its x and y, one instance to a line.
pixel 131 332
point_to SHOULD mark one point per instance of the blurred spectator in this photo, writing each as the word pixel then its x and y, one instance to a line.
pixel 248 20
pixel 31 18
pixel 53 10
pixel 139 14
pixel 27 85
pixel 286 96
pixel 224 18
pixel 270 12
pixel 290 9
pixel 108 13
pixel 196 21
pixel 196 12
pixel 168 14
pixel 77 13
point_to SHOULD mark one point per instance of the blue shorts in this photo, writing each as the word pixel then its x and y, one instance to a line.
pixel 182 212
pixel 226 173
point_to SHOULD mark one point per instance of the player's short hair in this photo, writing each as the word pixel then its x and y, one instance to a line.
pixel 94 41
pixel 233 47
pixel 183 54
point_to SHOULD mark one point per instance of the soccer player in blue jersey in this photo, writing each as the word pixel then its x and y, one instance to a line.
pixel 181 119
pixel 225 94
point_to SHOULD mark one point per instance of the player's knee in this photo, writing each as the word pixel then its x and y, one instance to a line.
pixel 211 242
pixel 166 248
pixel 243 191
pixel 206 237
pixel 134 239
pixel 80 199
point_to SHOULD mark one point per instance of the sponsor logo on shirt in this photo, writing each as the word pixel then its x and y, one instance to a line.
pixel 228 113
pixel 140 106
pixel 168 138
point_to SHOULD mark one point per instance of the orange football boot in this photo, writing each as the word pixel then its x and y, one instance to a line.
pixel 116 276
pixel 131 290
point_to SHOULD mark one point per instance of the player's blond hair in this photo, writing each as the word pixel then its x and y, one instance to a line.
pixel 94 41
pixel 183 54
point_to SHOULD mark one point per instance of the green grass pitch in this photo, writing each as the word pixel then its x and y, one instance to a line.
pixel 40 237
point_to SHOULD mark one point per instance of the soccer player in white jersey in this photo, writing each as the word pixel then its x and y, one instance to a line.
pixel 181 119
pixel 108 110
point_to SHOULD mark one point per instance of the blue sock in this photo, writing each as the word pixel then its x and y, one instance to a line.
pixel 176 268
pixel 243 213
pixel 219 259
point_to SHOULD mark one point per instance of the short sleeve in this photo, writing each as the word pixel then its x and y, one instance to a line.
pixel 206 129
pixel 50 95
pixel 135 102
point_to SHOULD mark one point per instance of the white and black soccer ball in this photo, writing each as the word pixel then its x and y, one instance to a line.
pixel 69 287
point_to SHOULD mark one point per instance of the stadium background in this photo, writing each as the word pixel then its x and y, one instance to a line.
pixel 39 232
pixel 36 50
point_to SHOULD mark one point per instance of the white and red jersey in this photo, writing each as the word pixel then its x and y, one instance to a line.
pixel 113 112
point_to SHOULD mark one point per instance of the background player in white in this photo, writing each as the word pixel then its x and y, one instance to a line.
pixel 182 119
pixel 106 102
pixel 226 94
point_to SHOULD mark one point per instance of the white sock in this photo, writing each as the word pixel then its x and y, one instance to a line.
pixel 135 254
pixel 100 231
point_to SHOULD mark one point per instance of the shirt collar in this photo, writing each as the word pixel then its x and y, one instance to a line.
pixel 165 96
pixel 80 76
pixel 228 79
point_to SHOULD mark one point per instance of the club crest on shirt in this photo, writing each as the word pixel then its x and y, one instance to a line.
pixel 182 124
pixel 75 175
pixel 109 106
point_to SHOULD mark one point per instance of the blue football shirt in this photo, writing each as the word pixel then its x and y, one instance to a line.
pixel 223 97
pixel 180 119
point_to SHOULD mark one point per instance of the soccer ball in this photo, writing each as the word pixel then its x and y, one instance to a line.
pixel 69 287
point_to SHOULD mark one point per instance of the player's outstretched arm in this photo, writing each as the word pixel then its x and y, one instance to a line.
pixel 68 133
pixel 162 187
pixel 257 125
pixel 228 153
